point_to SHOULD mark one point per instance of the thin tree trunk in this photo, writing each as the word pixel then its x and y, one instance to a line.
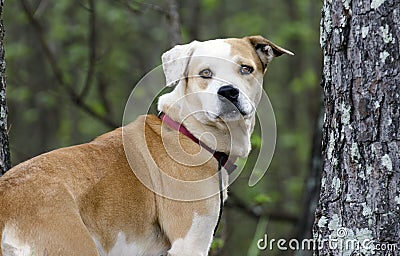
pixel 360 191
pixel 194 20
pixel 5 162
pixel 174 22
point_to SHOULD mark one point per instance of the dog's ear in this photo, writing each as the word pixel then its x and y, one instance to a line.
pixel 266 50
pixel 175 62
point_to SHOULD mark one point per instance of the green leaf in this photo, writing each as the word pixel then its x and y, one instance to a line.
pixel 217 243
pixel 256 140
pixel 262 199
pixel 210 4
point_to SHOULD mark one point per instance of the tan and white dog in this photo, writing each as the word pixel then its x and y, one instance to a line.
pixel 109 196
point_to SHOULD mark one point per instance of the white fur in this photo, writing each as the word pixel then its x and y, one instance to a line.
pixel 11 244
pixel 100 248
pixel 175 62
pixel 217 56
pixel 198 239
pixel 122 247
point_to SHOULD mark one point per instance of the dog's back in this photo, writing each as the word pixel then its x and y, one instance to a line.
pixel 45 200
pixel 41 195
pixel 82 200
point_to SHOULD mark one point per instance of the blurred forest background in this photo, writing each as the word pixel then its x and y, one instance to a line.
pixel 71 66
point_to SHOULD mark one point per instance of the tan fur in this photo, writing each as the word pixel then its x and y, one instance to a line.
pixel 90 188
pixel 244 48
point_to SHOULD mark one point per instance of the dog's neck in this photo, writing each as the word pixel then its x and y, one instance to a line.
pixel 221 157
pixel 232 138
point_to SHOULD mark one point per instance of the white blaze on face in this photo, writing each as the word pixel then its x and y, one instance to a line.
pixel 235 63
pixel 216 55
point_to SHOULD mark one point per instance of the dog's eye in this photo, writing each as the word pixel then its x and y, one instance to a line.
pixel 206 73
pixel 246 70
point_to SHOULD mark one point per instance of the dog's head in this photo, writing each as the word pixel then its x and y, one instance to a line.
pixel 217 81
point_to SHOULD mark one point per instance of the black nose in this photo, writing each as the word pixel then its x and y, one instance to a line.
pixel 229 92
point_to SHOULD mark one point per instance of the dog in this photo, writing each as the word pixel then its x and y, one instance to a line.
pixel 153 186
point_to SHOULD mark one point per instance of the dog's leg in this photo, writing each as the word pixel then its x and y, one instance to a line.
pixel 190 226
pixel 198 238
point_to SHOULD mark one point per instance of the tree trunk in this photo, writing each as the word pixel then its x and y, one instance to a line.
pixel 360 190
pixel 5 162
pixel 174 28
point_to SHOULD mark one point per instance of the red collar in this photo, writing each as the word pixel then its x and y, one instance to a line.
pixel 220 156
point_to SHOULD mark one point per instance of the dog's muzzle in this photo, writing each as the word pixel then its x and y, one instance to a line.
pixel 229 96
pixel 228 92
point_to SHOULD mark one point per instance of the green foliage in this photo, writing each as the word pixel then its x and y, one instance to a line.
pixel 217 244
pixel 31 115
pixel 256 140
pixel 308 80
pixel 18 50
pixel 245 24
pixel 210 5
pixel 262 199
pixel 22 93
pixel 45 99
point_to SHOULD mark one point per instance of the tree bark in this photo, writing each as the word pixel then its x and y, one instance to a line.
pixel 194 20
pixel 5 162
pixel 174 28
pixel 360 191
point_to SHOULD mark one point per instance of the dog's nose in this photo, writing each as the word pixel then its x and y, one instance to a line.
pixel 229 92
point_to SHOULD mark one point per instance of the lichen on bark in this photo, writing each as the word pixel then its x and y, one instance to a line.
pixel 360 194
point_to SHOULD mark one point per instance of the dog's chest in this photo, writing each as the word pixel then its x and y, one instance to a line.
pixel 123 247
